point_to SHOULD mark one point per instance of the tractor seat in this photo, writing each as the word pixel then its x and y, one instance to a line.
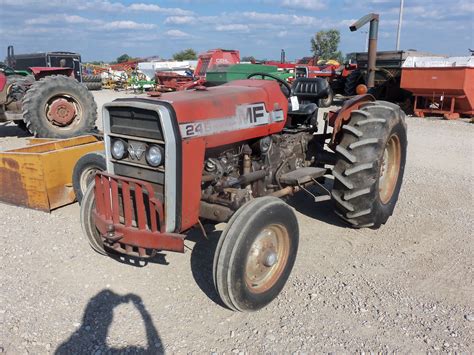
pixel 310 89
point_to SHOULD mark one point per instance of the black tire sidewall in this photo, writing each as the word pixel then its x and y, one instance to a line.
pixel 94 160
pixel 242 297
pixel 326 102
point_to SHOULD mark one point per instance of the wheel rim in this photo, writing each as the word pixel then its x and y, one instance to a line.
pixel 86 178
pixel 267 258
pixel 389 169
pixel 63 111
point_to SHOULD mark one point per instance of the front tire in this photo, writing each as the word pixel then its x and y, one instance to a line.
pixel 255 254
pixel 370 164
pixel 87 221
pixel 84 172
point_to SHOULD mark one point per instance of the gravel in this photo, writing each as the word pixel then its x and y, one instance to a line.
pixel 406 287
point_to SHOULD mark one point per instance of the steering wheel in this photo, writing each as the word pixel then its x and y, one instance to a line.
pixel 282 82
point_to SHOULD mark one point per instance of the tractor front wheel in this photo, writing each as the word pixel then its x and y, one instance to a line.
pixel 84 172
pixel 370 163
pixel 59 107
pixel 255 254
pixel 87 221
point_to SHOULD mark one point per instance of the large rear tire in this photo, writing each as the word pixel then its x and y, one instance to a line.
pixel 91 86
pixel 353 79
pixel 59 107
pixel 370 163
pixel 87 221
pixel 255 254
pixel 327 101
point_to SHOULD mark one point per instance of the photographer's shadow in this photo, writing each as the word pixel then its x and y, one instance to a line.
pixel 97 319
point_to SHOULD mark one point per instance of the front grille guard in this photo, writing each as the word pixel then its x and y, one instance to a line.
pixel 130 218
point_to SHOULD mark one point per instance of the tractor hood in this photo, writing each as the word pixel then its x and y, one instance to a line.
pixel 222 101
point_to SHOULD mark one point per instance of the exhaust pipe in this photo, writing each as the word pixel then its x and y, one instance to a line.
pixel 373 34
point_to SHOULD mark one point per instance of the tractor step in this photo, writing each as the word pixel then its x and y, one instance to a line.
pixel 302 176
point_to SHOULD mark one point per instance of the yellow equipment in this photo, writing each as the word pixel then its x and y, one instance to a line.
pixel 39 176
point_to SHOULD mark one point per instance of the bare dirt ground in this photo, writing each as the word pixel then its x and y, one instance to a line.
pixel 407 287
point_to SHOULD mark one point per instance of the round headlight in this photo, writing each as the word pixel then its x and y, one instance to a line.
pixel 154 155
pixel 119 149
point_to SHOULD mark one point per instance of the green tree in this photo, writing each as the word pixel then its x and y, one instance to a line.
pixel 248 59
pixel 124 58
pixel 324 45
pixel 187 54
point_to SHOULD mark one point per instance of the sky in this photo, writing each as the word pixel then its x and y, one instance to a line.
pixel 105 29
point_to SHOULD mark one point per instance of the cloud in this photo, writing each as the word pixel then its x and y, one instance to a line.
pixel 127 25
pixel 305 4
pixel 96 25
pixel 236 27
pixel 157 8
pixel 177 33
pixel 96 5
pixel 60 18
pixel 180 20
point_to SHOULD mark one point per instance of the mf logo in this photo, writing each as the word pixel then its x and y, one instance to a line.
pixel 255 114
pixel 136 150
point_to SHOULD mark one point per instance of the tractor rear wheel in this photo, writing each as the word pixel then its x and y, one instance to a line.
pixel 353 79
pixel 327 101
pixel 59 107
pixel 93 86
pixel 255 254
pixel 370 163
pixel 87 221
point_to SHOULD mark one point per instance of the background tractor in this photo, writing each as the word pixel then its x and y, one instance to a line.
pixel 47 101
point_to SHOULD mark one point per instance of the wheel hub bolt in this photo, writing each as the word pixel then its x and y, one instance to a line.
pixel 270 259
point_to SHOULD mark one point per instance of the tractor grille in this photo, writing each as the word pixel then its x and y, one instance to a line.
pixel 133 121
pixel 142 127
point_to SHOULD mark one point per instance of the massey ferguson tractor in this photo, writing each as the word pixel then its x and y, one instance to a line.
pixel 231 154
pixel 47 101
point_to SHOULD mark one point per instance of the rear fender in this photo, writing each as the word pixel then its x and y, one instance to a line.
pixel 41 72
pixel 336 119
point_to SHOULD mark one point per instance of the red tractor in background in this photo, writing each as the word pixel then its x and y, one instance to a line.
pixel 228 154
pixel 168 81
pixel 46 101
pixel 308 67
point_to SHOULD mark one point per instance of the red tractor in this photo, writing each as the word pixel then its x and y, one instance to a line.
pixel 230 154
pixel 169 81
pixel 47 101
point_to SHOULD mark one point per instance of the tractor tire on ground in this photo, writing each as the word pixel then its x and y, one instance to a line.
pixel 84 172
pixel 91 86
pixel 326 102
pixel 91 79
pixel 353 79
pixel 370 163
pixel 87 221
pixel 255 254
pixel 59 107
